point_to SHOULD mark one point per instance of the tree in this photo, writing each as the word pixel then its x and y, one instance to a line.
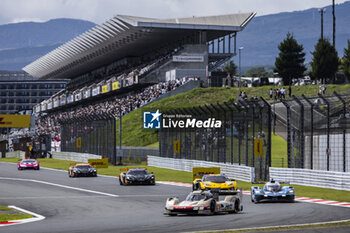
pixel 346 61
pixel 256 72
pixel 290 61
pixel 325 61
pixel 230 67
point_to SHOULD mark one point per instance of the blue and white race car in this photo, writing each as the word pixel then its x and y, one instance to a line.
pixel 272 191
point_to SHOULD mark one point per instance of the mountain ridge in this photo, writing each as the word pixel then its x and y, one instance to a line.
pixel 22 43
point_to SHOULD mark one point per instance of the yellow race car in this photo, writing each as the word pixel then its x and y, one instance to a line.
pixel 215 181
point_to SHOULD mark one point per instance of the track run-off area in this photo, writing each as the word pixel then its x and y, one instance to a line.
pixel 100 204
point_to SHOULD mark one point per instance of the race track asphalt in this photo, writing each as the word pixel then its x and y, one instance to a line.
pixel 135 208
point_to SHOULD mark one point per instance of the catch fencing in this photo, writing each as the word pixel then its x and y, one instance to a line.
pixel 93 134
pixel 233 171
pixel 316 130
pixel 232 143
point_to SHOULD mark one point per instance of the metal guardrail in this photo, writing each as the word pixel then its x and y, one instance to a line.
pixel 315 178
pixel 233 171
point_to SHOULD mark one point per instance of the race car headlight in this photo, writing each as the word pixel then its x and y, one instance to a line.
pixel 170 207
pixel 258 192
pixel 207 184
pixel 196 208
pixel 291 192
pixel 22 165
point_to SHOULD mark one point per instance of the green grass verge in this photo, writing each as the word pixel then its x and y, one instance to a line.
pixel 6 216
pixel 279 156
pixel 291 227
pixel 133 133
pixel 10 217
pixel 163 174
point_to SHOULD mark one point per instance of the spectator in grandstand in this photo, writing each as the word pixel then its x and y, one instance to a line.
pixel 49 123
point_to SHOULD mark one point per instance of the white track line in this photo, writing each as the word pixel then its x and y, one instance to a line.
pixel 61 186
pixel 300 199
pixel 36 217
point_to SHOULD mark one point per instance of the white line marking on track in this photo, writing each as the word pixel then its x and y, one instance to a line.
pixel 50 197
pixel 37 217
pixel 61 186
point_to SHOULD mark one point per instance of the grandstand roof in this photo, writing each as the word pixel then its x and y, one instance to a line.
pixel 124 36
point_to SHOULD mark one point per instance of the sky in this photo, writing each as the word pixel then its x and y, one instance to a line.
pixel 98 11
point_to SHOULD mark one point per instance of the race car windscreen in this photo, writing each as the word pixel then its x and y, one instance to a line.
pixel 215 179
pixel 83 167
pixel 272 187
pixel 138 172
pixel 195 197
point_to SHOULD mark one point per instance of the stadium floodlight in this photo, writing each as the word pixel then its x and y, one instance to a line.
pixel 240 74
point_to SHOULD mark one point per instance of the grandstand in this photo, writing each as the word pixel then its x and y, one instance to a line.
pixel 113 65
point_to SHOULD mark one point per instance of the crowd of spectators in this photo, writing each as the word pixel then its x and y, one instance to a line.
pixel 49 123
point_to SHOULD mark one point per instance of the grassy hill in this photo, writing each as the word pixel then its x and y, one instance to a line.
pixel 133 133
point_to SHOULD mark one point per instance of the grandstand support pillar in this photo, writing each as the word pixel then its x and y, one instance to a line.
pixel 289 138
pixel 328 129
pixel 344 130
pixel 202 37
pixel 311 130
pixel 235 43
pixel 301 135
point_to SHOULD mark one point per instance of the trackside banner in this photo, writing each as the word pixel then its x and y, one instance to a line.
pixel 199 172
pixel 99 163
pixel 14 121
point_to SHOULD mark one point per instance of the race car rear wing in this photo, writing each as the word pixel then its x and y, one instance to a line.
pixel 127 168
pixel 226 192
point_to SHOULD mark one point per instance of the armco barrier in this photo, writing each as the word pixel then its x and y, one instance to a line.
pixel 231 170
pixel 316 178
pixel 73 156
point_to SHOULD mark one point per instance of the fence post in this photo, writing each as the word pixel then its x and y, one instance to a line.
pixel 328 128
pixel 288 134
pixel 301 136
pixel 311 130
pixel 268 152
pixel 344 130
pixel 231 129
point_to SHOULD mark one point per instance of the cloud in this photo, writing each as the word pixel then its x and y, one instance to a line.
pixel 100 10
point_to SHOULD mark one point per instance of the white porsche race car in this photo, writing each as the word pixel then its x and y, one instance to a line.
pixel 205 202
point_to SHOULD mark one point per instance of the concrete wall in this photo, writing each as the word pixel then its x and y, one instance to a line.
pixel 73 156
pixel 158 75
pixel 320 156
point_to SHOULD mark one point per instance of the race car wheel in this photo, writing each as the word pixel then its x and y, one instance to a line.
pixel 236 208
pixel 212 207
pixel 120 182
pixel 19 168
